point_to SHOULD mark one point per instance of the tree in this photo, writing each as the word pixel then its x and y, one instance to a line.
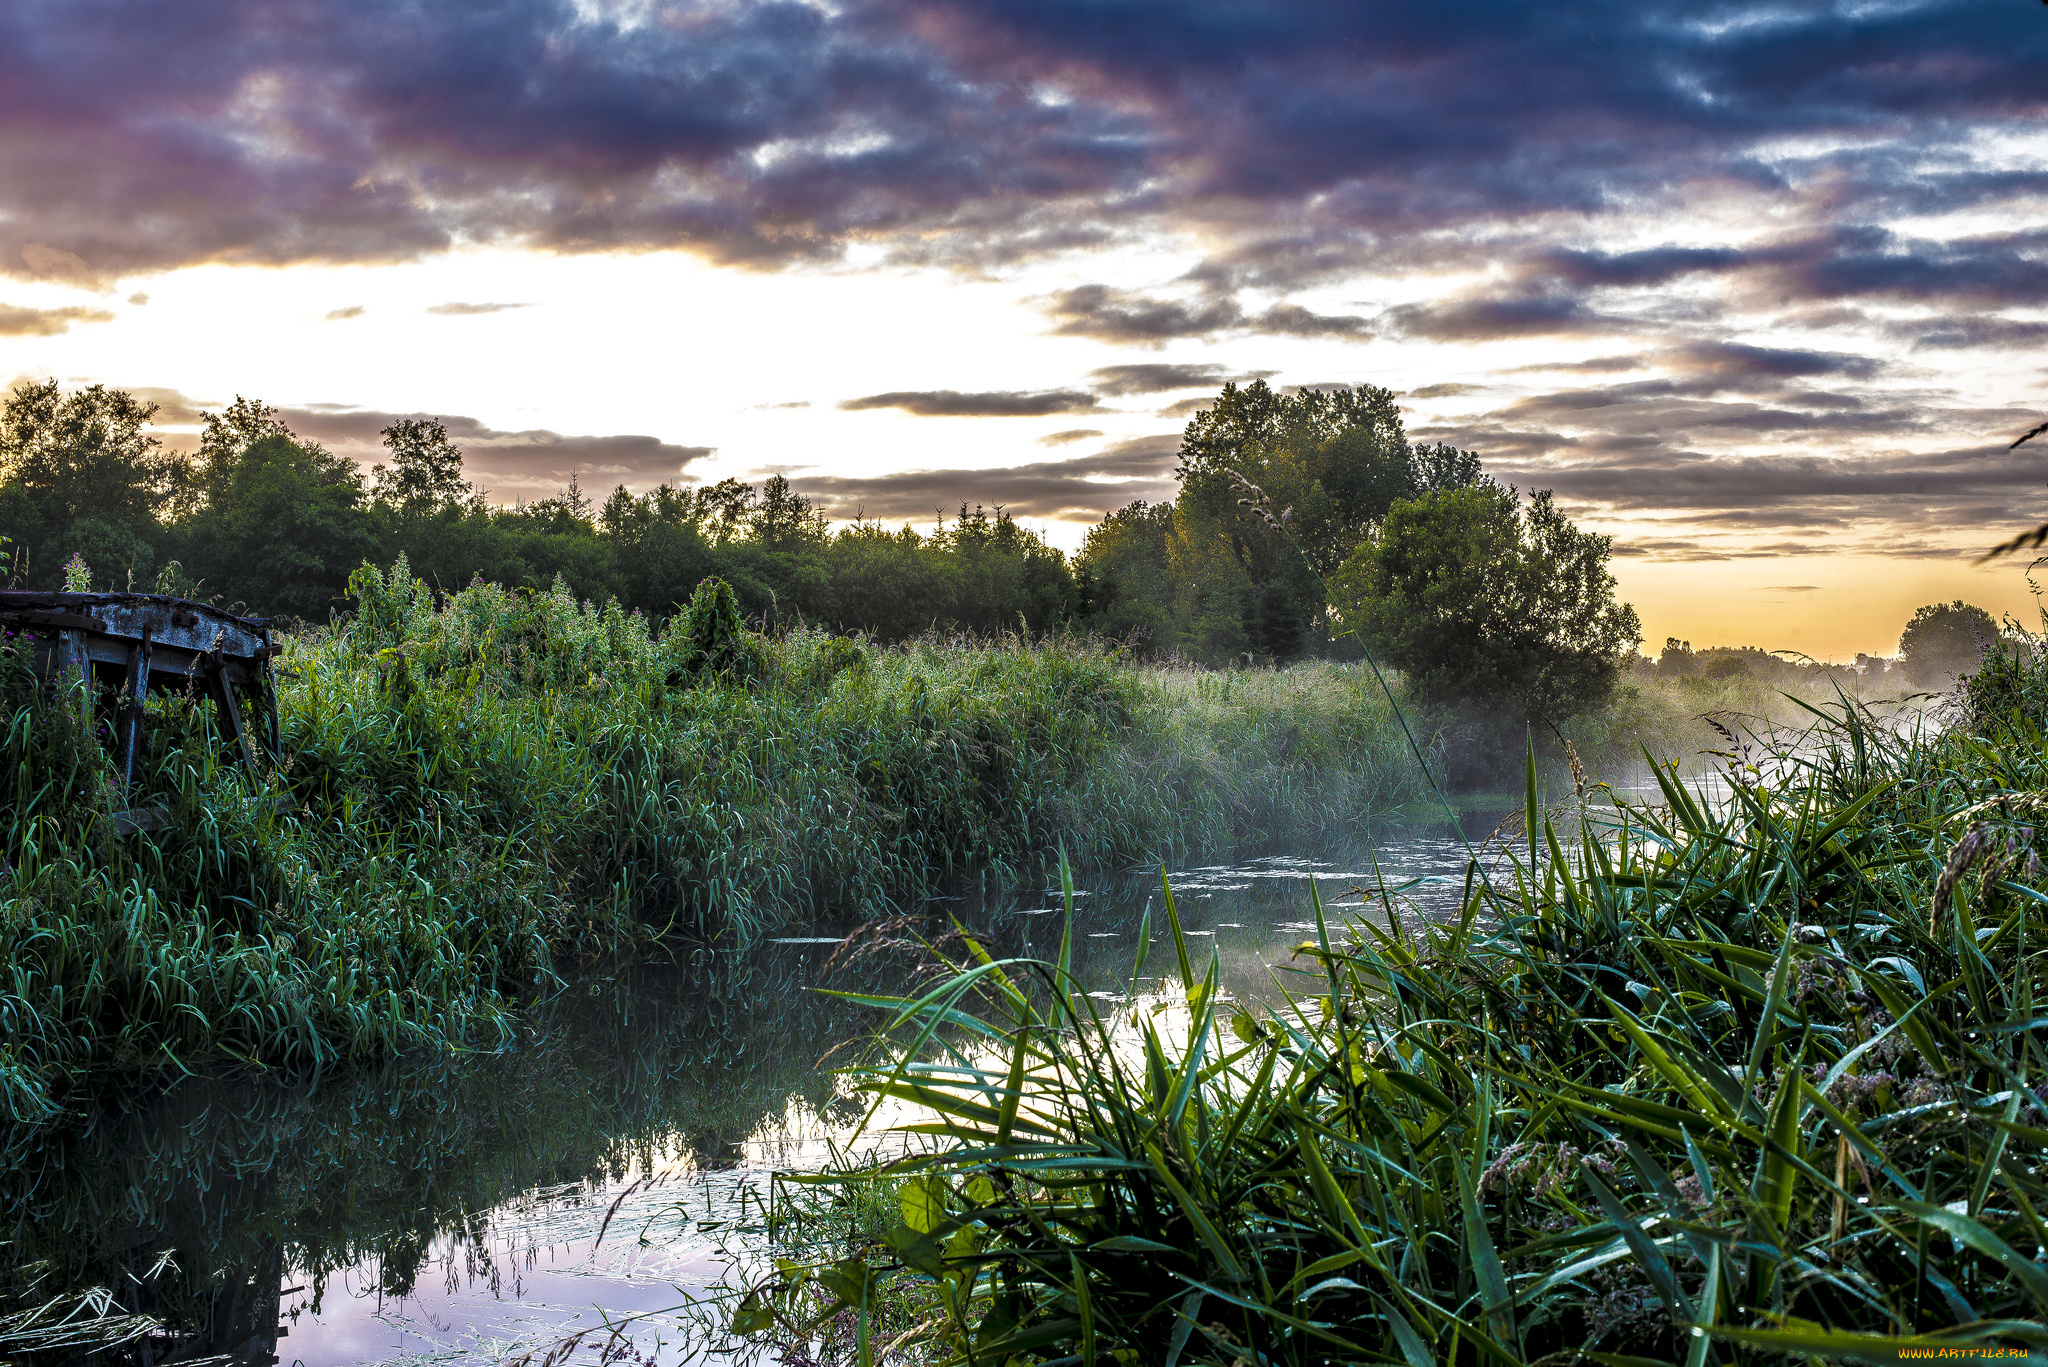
pixel 1123 582
pixel 425 474
pixel 79 473
pixel 785 520
pixel 722 508
pixel 1486 603
pixel 283 532
pixel 223 438
pixel 1943 641
pixel 1331 463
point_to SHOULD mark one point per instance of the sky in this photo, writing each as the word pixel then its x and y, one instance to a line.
pixel 1760 290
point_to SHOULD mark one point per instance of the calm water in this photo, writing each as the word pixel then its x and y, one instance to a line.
pixel 465 1209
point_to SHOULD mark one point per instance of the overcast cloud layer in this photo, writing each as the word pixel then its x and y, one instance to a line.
pixel 510 467
pixel 1763 239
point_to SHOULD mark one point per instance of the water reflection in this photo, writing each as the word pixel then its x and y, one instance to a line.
pixel 331 1212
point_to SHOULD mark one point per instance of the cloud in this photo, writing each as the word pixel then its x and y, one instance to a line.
pixel 1117 381
pixel 1735 361
pixel 984 131
pixel 1114 315
pixel 1789 588
pixel 1598 365
pixel 172 406
pixel 1078 490
pixel 1069 435
pixel 469 310
pixel 138 299
pixel 1488 319
pixel 951 403
pixel 1187 407
pixel 1981 330
pixel 352 311
pixel 511 465
pixel 771 407
pixel 1447 391
pixel 1292 320
pixel 54 263
pixel 1900 474
pixel 27 322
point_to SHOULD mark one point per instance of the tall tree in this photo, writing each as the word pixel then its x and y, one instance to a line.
pixel 425 474
pixel 1330 463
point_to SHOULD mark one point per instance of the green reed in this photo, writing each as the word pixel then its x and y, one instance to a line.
pixel 1701 1081
pixel 480 787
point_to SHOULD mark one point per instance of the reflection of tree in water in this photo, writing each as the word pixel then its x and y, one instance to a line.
pixel 239 1180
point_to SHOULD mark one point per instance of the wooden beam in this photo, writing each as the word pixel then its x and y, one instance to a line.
pixel 230 711
pixel 130 737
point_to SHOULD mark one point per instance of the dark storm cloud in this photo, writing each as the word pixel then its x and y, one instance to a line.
pixel 27 322
pixel 136 135
pixel 951 403
pixel 511 465
pixel 1079 490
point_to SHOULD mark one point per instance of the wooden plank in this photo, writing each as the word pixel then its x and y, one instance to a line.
pixel 230 712
pixel 130 739
pixel 74 672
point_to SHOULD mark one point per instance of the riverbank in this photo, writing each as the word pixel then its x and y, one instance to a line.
pixel 1768 1067
pixel 481 788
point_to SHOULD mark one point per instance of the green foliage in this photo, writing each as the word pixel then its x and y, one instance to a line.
pixel 1945 640
pixel 1767 1067
pixel 711 641
pixel 480 786
pixel 278 518
pixel 1483 602
pixel 425 474
pixel 79 474
pixel 1245 577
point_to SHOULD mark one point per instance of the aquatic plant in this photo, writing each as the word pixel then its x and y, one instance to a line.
pixel 1711 1082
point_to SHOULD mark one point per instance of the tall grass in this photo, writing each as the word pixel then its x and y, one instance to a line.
pixel 1709 1083
pixel 480 787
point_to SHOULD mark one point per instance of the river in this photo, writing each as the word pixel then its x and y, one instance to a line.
pixel 463 1209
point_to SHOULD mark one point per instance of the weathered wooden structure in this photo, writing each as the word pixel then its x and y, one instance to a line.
pixel 119 647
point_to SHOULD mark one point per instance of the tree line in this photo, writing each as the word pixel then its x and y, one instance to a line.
pixel 1305 524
